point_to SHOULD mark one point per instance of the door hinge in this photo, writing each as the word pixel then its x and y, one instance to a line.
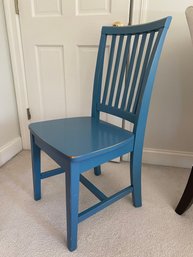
pixel 28 114
pixel 16 6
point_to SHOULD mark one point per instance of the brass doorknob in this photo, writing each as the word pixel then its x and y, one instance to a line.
pixel 118 24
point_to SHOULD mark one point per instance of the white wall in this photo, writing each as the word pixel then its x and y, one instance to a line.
pixel 169 133
pixel 10 141
pixel 170 122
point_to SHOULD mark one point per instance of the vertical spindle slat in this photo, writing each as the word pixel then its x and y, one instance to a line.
pixel 148 51
pixel 146 73
pixel 98 75
pixel 136 71
pixel 109 69
pixel 129 72
pixel 118 56
pixel 123 68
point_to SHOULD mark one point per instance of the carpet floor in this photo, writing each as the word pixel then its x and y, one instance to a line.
pixel 29 228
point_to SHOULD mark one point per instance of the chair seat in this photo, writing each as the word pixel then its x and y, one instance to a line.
pixel 82 137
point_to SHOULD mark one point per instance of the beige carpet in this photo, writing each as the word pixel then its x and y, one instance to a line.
pixel 29 228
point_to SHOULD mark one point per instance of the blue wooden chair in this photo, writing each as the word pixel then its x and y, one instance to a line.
pixel 122 89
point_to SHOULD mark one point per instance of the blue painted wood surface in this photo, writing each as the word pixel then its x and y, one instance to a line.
pixel 79 144
pixel 100 195
pixel 79 138
pixel 103 204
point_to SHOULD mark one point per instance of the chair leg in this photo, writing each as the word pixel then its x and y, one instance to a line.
pixel 97 170
pixel 72 199
pixel 187 196
pixel 36 168
pixel 135 173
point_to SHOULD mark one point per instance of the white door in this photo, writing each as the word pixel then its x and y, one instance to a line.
pixel 60 42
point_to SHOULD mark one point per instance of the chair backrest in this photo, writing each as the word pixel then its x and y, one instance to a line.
pixel 125 70
pixel 189 17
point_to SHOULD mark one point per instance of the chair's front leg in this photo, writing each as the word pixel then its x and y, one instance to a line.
pixel 72 199
pixel 135 171
pixel 36 168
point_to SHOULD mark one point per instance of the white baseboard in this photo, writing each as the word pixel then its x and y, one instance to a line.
pixel 150 156
pixel 9 150
pixel 166 158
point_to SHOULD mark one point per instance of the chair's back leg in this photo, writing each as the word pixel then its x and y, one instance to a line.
pixel 97 170
pixel 72 199
pixel 36 168
pixel 135 173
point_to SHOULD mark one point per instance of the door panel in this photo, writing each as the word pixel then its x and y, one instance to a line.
pixel 50 72
pixel 46 8
pixel 93 7
pixel 60 42
pixel 86 55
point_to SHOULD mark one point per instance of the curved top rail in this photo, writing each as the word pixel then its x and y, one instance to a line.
pixel 134 29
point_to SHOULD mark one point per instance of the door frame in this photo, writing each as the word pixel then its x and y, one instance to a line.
pixel 139 11
pixel 17 60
